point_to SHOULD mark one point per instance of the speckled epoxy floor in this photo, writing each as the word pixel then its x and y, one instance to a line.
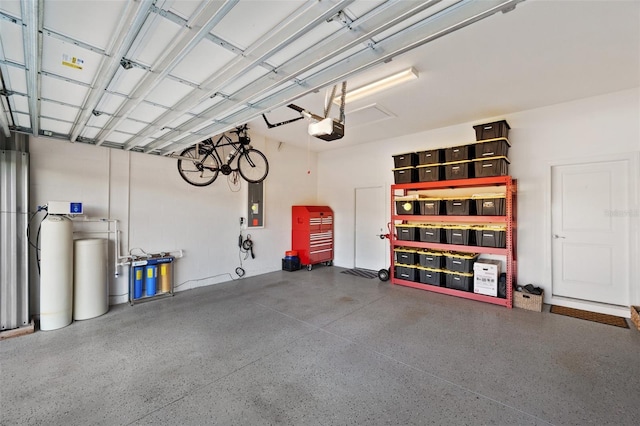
pixel 321 348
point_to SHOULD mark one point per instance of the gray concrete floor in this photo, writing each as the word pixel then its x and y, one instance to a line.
pixel 321 348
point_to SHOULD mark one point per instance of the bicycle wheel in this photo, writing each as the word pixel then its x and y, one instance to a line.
pixel 253 166
pixel 202 170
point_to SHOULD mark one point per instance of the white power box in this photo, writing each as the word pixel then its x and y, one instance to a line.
pixel 485 277
pixel 64 207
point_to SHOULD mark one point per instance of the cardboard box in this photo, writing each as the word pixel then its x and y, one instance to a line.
pixel 635 316
pixel 485 277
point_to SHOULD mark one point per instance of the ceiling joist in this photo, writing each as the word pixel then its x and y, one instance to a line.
pixel 445 21
pixel 134 17
pixel 148 82
pixel 314 13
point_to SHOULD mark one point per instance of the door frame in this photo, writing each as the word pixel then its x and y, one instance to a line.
pixel 385 187
pixel 634 177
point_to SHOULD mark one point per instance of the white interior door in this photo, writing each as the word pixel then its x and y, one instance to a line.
pixel 590 231
pixel 370 218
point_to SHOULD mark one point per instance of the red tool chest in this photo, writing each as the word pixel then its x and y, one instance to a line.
pixel 312 234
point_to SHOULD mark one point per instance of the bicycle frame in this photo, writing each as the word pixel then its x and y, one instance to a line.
pixel 212 148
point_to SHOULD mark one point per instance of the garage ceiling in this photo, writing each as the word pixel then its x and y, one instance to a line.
pixel 158 76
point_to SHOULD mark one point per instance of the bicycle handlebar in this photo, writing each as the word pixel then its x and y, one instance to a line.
pixel 239 129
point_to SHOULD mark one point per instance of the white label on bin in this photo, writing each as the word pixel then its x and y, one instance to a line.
pixel 488 127
pixel 457 204
pixel 456 150
pixel 455 167
pixel 457 262
pixel 486 154
pixel 487 165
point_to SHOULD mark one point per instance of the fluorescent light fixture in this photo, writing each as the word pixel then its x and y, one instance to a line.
pixel 379 85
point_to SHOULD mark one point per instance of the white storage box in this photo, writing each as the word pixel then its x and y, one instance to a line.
pixel 485 277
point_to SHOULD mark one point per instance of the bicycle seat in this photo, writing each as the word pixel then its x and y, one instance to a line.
pixel 239 129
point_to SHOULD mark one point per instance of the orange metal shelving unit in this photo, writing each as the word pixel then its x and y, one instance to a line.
pixel 509 219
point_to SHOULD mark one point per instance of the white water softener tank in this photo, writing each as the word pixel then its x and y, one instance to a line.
pixel 90 288
pixel 56 272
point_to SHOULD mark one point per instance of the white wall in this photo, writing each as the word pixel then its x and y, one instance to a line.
pixel 582 129
pixel 158 211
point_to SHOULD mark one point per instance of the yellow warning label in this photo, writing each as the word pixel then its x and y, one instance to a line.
pixel 72 62
pixel 163 269
pixel 149 272
pixel 69 64
pixel 139 274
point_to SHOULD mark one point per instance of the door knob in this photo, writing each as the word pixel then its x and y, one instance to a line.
pixel 556 236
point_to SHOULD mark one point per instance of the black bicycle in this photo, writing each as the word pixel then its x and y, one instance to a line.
pixel 200 164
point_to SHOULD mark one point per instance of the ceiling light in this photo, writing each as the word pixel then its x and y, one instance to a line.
pixel 379 85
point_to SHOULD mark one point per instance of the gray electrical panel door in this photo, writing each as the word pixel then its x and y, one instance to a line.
pixel 255 207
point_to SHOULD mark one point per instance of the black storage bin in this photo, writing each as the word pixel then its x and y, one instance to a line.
pixel 460 207
pixel 432 207
pixel 291 263
pixel 407 206
pixel 502 286
pixel 491 236
pixel 431 234
pixel 433 156
pixel 492 148
pixel 492 166
pixel 459 281
pixel 459 153
pixel 405 272
pixel 458 170
pixel 429 173
pixel 431 259
pixel 406 256
pixel 431 276
pixel 460 262
pixel 460 235
pixel 405 160
pixel 497 129
pixel 405 175
pixel 407 232
pixel 490 205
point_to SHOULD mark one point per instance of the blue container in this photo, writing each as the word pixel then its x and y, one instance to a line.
pixel 151 279
pixel 290 263
pixel 137 281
